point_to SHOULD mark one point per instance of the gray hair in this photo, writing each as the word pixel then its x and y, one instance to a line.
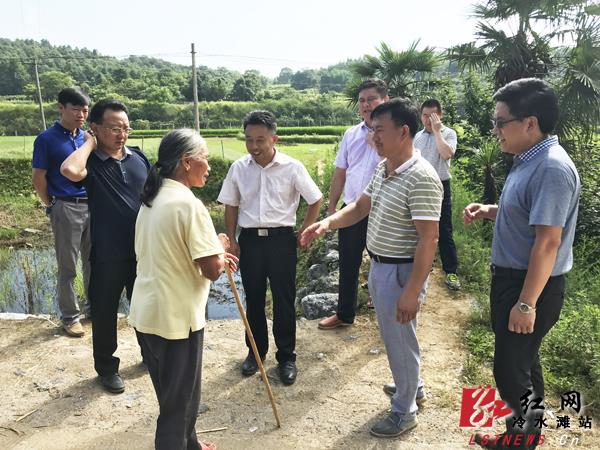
pixel 173 146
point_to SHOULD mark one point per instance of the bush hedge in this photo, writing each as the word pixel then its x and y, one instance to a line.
pixel 23 119
pixel 235 132
pixel 15 178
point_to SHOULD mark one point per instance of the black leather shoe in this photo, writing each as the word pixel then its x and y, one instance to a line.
pixel 288 372
pixel 250 366
pixel 112 383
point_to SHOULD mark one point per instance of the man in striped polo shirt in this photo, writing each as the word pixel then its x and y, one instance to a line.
pixel 403 201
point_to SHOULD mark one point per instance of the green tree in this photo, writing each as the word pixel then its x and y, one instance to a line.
pixel 487 158
pixel 52 82
pixel 305 79
pixel 155 94
pixel 285 76
pixel 578 81
pixel 405 72
pixel 247 88
pixel 520 54
pixel 477 101
pixel 334 80
pixel 13 77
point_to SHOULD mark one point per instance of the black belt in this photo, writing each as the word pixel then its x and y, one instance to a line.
pixel 389 260
pixel 72 199
pixel 267 232
pixel 507 272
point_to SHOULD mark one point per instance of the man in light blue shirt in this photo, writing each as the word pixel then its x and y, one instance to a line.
pixel 531 248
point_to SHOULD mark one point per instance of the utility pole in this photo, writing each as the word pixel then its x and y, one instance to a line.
pixel 195 90
pixel 39 92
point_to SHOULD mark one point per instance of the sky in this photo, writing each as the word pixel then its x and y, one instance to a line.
pixel 265 35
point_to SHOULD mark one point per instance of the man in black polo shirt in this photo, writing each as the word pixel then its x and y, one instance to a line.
pixel 113 176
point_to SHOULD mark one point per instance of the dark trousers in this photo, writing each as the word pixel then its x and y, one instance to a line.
pixel 516 356
pixel 446 241
pixel 107 281
pixel 273 258
pixel 175 367
pixel 351 244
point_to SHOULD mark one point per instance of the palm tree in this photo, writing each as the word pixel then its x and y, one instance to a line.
pixel 578 82
pixel 574 70
pixel 487 158
pixel 525 52
pixel 404 72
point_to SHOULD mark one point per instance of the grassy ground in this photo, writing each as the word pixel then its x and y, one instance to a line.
pixel 23 222
pixel 230 148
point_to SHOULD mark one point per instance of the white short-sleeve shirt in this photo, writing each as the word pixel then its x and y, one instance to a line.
pixel 268 196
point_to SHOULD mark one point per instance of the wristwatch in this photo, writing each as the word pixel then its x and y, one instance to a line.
pixel 525 308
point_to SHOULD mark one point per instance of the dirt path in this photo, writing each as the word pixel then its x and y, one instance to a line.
pixel 336 399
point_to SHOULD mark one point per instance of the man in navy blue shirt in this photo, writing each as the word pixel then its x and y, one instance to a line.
pixel 114 176
pixel 65 202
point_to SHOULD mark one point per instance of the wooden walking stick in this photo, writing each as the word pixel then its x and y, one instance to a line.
pixel 263 374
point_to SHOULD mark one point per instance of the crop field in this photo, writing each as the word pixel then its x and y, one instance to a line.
pixel 20 147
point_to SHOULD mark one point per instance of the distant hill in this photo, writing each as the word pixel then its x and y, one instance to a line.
pixel 141 77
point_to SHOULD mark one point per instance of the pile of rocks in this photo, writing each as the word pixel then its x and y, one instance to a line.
pixel 318 298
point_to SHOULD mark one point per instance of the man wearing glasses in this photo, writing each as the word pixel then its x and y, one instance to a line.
pixel 532 248
pixel 113 176
pixel 66 203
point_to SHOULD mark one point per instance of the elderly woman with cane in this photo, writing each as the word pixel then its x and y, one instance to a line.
pixel 178 253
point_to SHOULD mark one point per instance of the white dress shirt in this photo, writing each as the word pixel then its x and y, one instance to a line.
pixel 359 160
pixel 268 196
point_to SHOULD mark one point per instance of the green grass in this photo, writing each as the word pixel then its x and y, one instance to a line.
pixel 17 213
pixel 16 147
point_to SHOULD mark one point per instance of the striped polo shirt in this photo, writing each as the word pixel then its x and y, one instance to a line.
pixel 412 192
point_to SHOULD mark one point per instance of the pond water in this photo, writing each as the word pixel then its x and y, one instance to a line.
pixel 28 285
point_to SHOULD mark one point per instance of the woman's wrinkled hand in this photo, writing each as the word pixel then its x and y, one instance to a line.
pixel 231 261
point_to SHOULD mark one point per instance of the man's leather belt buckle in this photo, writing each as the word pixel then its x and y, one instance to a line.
pixel 389 260
pixel 506 272
pixel 263 232
pixel 71 199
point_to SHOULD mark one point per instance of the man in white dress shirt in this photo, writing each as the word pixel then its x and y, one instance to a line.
pixel 261 194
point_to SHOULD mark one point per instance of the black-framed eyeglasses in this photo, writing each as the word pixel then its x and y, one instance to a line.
pixel 498 123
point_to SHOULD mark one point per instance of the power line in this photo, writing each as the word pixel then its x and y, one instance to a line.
pixel 163 55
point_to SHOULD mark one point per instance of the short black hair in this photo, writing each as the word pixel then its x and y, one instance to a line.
pixel 529 97
pixel 97 112
pixel 402 112
pixel 432 103
pixel 374 83
pixel 74 96
pixel 261 117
